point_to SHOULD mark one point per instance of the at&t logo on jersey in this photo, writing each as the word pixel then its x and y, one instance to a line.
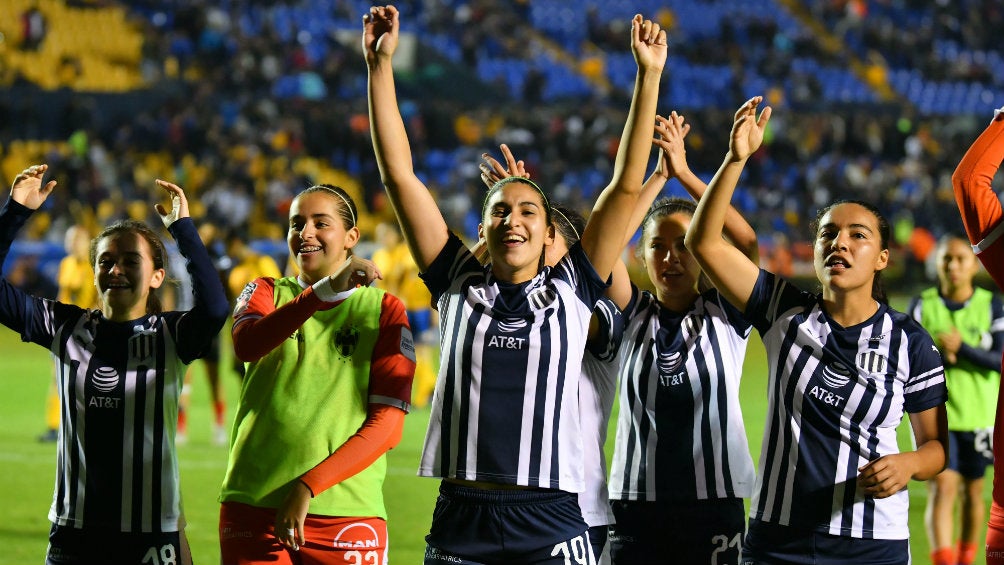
pixel 834 376
pixel 105 380
pixel 507 341
pixel 669 363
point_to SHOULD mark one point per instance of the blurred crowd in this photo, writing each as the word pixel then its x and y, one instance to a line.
pixel 246 109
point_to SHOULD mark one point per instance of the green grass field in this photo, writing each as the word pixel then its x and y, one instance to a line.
pixel 28 466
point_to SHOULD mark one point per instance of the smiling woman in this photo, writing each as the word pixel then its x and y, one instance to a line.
pixel 130 265
pixel 512 333
pixel 307 451
pixel 516 226
pixel 119 373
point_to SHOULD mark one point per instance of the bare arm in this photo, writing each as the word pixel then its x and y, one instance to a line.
pixel 673 164
pixel 731 271
pixel 422 224
pixel 890 474
pixel 615 205
pixel 930 427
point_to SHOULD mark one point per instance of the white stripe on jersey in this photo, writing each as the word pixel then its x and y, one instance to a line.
pixel 474 402
pixel 80 447
pixel 934 377
pixel 989 240
pixel 597 388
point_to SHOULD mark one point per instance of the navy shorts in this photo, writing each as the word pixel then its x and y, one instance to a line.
pixel 700 531
pixel 72 546
pixel 970 453
pixel 598 539
pixel 771 544
pixel 473 526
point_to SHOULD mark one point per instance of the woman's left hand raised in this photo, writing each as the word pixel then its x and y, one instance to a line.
pixel 28 189
pixel 179 204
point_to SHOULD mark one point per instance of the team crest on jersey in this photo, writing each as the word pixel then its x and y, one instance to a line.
pixel 872 362
pixel 143 344
pixel 542 297
pixel 244 299
pixel 346 341
pixel 694 324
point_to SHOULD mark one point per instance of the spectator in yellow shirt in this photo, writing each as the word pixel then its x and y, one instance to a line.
pixel 76 286
pixel 400 278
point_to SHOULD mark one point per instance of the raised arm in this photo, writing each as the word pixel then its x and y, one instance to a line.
pixel 674 159
pixel 730 270
pixel 981 209
pixel 612 211
pixel 422 224
pixel 203 322
pixel 671 133
pixel 26 195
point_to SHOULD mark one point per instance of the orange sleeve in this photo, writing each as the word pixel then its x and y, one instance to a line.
pixel 972 180
pixel 259 327
pixel 393 364
pixel 982 214
pixel 380 432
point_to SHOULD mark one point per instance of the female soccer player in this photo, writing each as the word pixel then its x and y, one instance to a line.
pixel 681 446
pixel 329 371
pixel 117 497
pixel 598 383
pixel 967 324
pixel 982 214
pixel 843 368
pixel 504 433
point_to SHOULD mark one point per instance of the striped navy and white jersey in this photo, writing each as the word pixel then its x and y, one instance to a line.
pixel 118 383
pixel 597 389
pixel 836 396
pixel 505 408
pixel 680 432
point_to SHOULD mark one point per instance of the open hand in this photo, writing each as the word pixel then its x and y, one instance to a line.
pixel 28 189
pixel 179 204
pixel 492 171
pixel 747 130
pixel 673 154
